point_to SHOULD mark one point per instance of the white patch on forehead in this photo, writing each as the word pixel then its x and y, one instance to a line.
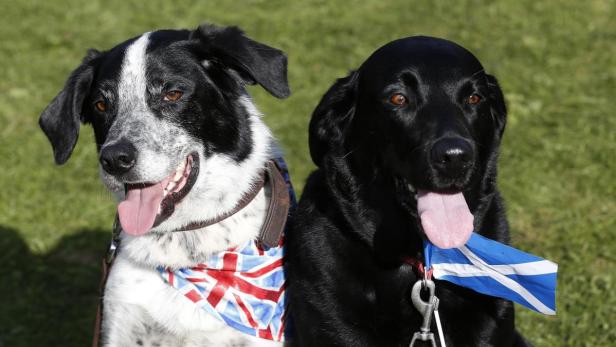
pixel 132 88
pixel 160 145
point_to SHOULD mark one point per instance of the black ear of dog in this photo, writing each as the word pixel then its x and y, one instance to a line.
pixel 498 106
pixel 60 119
pixel 254 61
pixel 331 117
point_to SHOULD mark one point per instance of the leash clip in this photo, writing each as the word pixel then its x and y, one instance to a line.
pixel 427 309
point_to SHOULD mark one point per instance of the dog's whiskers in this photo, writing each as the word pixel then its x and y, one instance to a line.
pixel 349 153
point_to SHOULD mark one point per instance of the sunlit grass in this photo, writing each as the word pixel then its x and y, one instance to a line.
pixel 556 62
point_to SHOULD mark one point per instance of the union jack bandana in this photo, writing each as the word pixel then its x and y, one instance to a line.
pixel 243 287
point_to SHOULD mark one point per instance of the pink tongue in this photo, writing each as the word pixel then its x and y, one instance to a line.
pixel 138 211
pixel 445 218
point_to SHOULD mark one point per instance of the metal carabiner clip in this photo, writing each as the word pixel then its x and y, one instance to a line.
pixel 426 308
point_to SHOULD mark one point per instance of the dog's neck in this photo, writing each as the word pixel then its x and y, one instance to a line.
pixel 183 249
pixel 220 186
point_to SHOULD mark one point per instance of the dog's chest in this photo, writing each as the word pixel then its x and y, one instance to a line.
pixel 140 305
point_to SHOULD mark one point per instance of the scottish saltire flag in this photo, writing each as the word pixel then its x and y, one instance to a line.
pixel 495 269
pixel 245 288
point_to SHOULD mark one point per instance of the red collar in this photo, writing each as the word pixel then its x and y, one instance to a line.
pixel 418 267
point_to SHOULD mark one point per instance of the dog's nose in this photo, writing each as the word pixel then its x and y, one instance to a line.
pixel 118 158
pixel 451 156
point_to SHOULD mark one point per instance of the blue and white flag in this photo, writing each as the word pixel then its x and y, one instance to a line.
pixel 495 269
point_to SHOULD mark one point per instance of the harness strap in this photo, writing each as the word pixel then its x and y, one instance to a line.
pixel 99 309
pixel 278 209
pixel 244 201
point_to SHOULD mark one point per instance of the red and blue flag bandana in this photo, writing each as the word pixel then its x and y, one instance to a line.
pixel 245 288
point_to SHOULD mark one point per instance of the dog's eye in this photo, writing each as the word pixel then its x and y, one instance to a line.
pixel 398 99
pixel 173 95
pixel 474 99
pixel 101 106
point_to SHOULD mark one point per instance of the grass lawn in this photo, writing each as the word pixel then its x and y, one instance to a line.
pixel 556 61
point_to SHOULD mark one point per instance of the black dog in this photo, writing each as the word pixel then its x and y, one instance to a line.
pixel 406 148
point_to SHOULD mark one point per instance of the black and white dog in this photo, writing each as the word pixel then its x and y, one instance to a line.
pixel 406 148
pixel 180 143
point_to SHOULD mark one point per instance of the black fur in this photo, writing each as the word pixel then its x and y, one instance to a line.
pixel 256 62
pixel 209 109
pixel 60 120
pixel 357 219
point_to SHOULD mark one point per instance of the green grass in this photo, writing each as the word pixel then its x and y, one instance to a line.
pixel 555 60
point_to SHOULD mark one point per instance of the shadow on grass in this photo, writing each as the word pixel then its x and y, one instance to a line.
pixel 51 299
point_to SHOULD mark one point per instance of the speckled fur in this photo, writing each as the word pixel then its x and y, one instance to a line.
pixel 138 305
pixel 139 308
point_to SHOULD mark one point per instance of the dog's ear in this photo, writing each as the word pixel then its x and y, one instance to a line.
pixel 61 118
pixel 331 118
pixel 498 107
pixel 252 60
